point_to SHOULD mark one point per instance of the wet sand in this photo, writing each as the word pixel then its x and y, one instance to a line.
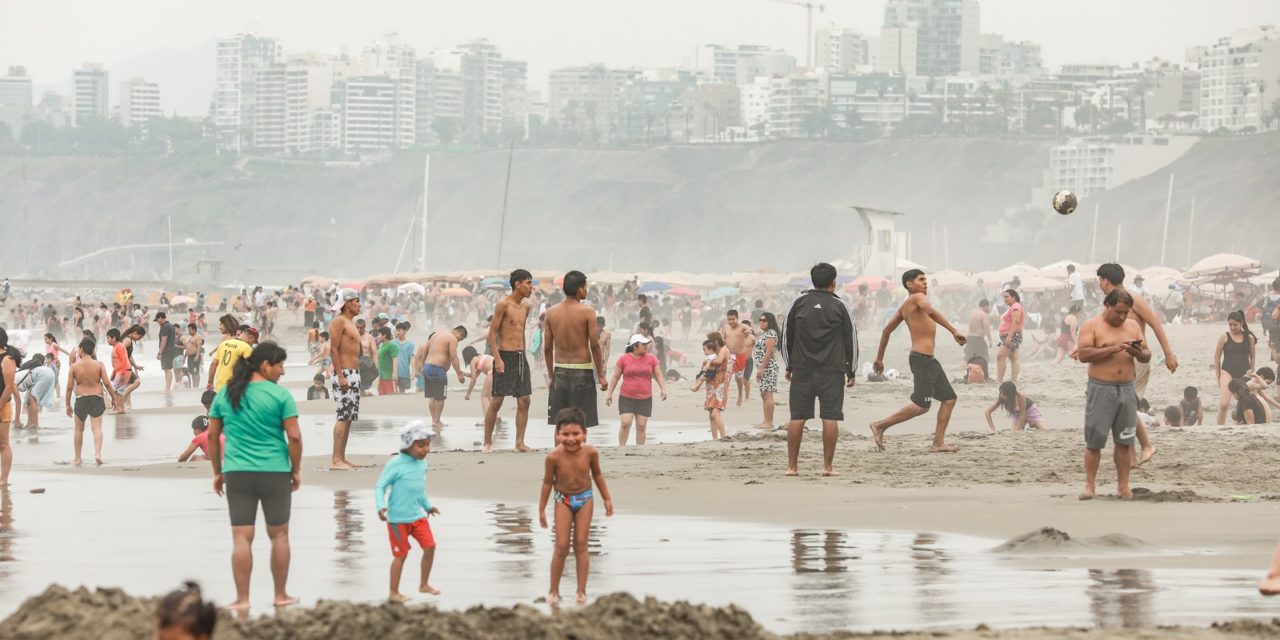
pixel 1209 502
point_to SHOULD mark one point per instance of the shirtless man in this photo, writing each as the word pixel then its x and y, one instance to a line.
pixel 1111 278
pixel 193 348
pixel 366 363
pixel 1109 344
pixel 738 338
pixel 571 347
pixel 978 339
pixel 511 375
pixel 930 380
pixel 433 359
pixel 345 353
pixel 87 379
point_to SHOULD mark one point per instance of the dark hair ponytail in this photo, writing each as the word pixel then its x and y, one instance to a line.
pixel 187 608
pixel 1238 316
pixel 268 352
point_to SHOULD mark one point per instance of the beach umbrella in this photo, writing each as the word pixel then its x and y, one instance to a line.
pixel 722 292
pixel 455 292
pixel 873 283
pixel 1264 280
pixel 653 287
pixel 354 284
pixel 1055 268
pixel 1037 283
pixel 906 265
pixel 176 300
pixel 682 291
pixel 1024 271
pixel 494 282
pixel 411 287
pixel 1223 267
pixel 949 280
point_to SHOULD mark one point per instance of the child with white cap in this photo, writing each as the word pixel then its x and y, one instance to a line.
pixel 401 498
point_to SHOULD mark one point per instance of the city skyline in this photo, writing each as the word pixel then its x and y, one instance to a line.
pixel 578 33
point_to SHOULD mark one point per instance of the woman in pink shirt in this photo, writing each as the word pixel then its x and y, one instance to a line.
pixel 1010 336
pixel 636 368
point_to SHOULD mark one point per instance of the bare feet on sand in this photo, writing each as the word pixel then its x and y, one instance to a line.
pixel 943 448
pixel 581 599
pixel 398 597
pixel 488 448
pixel 238 605
pixel 523 448
pixel 877 434
pixel 1146 456
pixel 437 425
pixel 830 472
pixel 1270 586
pixel 98 460
pixel 285 601
pixel 1087 494
pixel 791 471
pixel 341 465
pixel 76 462
pixel 553 598
pixel 1124 495
pixel 426 588
pixel 763 426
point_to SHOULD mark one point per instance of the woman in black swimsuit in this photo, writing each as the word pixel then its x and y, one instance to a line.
pixel 1233 358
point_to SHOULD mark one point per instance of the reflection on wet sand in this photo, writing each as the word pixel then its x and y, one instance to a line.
pixel 929 559
pixel 126 428
pixel 7 534
pixel 825 584
pixel 514 537
pixel 349 533
pixel 1121 597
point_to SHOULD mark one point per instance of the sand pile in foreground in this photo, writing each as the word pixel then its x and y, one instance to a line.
pixel 111 614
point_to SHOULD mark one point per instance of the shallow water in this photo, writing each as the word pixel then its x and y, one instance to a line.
pixel 147 535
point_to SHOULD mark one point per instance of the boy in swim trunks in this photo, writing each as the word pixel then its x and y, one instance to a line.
pixel 87 381
pixel 401 499
pixel 570 469
pixel 571 344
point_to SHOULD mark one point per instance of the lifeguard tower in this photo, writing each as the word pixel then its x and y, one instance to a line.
pixel 885 245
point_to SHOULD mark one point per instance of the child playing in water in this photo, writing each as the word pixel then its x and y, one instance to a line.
pixel 200 432
pixel 570 469
pixel 401 499
pixel 317 390
pixel 1192 412
pixel 1021 409
pixel 716 379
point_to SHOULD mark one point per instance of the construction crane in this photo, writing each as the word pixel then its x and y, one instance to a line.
pixel 808 26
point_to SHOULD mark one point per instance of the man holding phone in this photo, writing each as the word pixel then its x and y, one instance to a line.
pixel 1111 344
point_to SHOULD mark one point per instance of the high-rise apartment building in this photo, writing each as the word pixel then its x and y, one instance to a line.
pixel 309 115
pixel 270 119
pixel 391 59
pixel 15 88
pixel 945 32
pixel 841 50
pixel 1236 75
pixel 139 102
pixel 368 108
pixel 1005 58
pixel 89 93
pixel 492 87
pixel 240 60
pixel 586 97
pixel 439 94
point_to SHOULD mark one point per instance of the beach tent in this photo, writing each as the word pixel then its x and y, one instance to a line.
pixel 411 287
pixel 722 292
pixel 653 287
pixel 949 280
pixel 1059 268
pixel 1038 283
pixel 455 292
pixel 1024 271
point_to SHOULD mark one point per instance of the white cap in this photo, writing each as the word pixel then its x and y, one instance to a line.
pixel 413 432
pixel 344 296
pixel 638 338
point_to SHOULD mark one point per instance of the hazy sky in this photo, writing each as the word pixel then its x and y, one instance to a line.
pixel 51 37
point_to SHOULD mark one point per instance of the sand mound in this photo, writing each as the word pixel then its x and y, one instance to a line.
pixel 1042 539
pixel 1048 540
pixel 1183 495
pixel 111 614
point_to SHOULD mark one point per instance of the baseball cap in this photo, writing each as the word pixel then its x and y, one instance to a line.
pixel 344 296
pixel 637 338
pixel 383 316
pixel 200 422
pixel 413 432
pixel 253 332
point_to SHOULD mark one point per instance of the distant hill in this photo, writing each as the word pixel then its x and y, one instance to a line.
pixel 779 206
pixel 1234 181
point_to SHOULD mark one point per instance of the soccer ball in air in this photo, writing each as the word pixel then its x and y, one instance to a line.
pixel 1064 202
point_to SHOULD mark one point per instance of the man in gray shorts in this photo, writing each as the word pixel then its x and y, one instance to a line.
pixel 1110 344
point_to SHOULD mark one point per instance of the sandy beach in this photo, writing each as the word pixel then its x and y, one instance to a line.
pixel 1205 503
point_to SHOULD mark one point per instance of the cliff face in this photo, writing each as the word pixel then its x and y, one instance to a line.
pixel 780 206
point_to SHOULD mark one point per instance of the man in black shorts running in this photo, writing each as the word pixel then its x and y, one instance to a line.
pixel 511 376
pixel 930 380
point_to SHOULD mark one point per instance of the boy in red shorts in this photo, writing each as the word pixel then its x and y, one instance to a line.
pixel 401 498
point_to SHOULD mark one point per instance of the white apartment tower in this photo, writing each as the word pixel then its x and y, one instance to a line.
pixel 240 60
pixel 368 112
pixel 1236 77
pixel 89 93
pixel 309 117
pixel 946 34
pixel 15 88
pixel 439 94
pixel 399 63
pixel 841 51
pixel 587 96
pixel 139 102
pixel 270 118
